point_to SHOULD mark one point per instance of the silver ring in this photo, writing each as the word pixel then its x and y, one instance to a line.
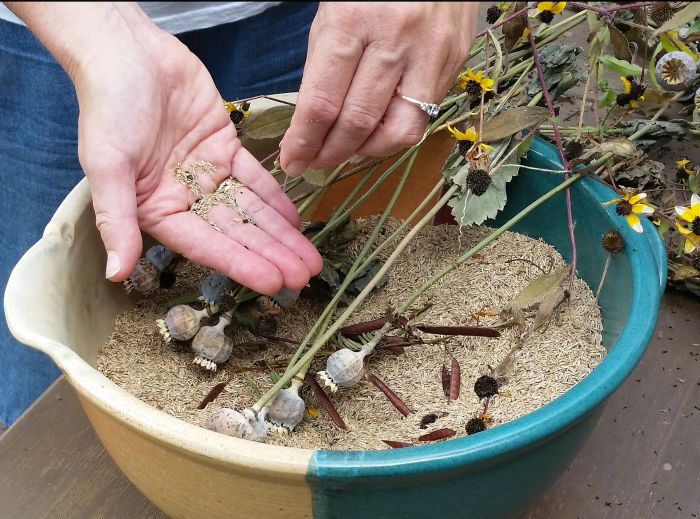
pixel 429 108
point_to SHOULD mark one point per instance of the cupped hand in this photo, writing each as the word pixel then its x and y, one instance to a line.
pixel 149 107
pixel 360 56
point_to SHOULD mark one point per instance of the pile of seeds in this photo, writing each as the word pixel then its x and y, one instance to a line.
pixel 552 361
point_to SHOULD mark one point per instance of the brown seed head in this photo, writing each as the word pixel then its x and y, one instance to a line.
pixel 612 242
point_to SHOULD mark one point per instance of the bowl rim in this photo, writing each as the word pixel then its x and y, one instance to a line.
pixel 253 457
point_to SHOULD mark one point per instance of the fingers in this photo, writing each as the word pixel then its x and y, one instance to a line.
pixel 334 56
pixel 206 246
pixel 249 171
pixel 369 95
pixel 114 201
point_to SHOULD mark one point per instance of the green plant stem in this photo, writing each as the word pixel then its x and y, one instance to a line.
pixel 327 313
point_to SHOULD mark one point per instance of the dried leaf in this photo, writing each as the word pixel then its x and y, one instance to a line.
pixel 211 396
pixel 513 30
pixel 548 305
pixel 325 401
pixel 621 47
pixel 440 434
pixel 397 445
pixel 455 380
pixel 685 15
pixel 620 146
pixel 684 272
pixel 268 124
pixel 391 396
pixel 512 121
pixel 475 331
pixel 315 177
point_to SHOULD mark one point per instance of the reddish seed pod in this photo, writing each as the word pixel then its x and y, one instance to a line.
pixel 454 380
pixel 354 330
pixel 440 434
pixel 393 397
pixel 325 401
pixel 446 380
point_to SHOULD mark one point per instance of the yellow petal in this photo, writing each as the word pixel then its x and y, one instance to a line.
pixel 609 202
pixel 470 134
pixel 695 203
pixel 633 221
pixel 682 163
pixel 688 246
pixel 313 412
pixel 682 229
pixel 545 6
pixel 558 7
pixel 686 213
pixel 642 209
pixel 486 84
pixel 486 147
pixel 637 198
pixel 474 77
pixel 526 33
pixel 626 83
pixel 633 103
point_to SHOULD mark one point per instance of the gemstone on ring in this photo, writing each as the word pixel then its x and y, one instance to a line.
pixel 431 109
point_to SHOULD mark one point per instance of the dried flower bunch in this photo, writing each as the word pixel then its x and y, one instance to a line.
pixel 640 63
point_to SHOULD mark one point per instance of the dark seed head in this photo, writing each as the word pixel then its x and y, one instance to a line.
pixel 464 147
pixel 475 425
pixel 473 88
pixel 237 116
pixel 623 208
pixel 661 12
pixel 695 226
pixel 695 261
pixel 623 99
pixel 637 89
pixel 167 279
pixel 573 150
pixel 478 181
pixel 427 420
pixel 485 386
pixel 493 13
pixel 612 242
pixel 546 17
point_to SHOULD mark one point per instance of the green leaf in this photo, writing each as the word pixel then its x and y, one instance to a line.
pixel 685 15
pixel 607 100
pixel 364 278
pixel 622 67
pixel 268 124
pixel 513 121
pixel 693 28
pixel 253 386
pixel 663 228
pixel 315 177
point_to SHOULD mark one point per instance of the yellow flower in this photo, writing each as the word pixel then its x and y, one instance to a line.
pixel 629 207
pixel 691 215
pixel 552 7
pixel 233 108
pixel 476 84
pixel 682 166
pixel 526 33
pixel 467 136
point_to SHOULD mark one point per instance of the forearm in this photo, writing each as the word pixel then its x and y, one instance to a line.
pixel 78 33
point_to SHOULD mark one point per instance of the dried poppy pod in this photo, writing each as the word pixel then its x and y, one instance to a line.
pixel 160 257
pixel 344 368
pixel 214 288
pixel 676 71
pixel 143 278
pixel 246 425
pixel 286 297
pixel 181 323
pixel 211 344
pixel 287 409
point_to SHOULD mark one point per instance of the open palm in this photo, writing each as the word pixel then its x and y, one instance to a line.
pixel 143 113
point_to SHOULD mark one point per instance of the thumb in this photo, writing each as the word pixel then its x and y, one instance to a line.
pixel 114 199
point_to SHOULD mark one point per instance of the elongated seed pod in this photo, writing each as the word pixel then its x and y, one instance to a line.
pixel 476 331
pixel 454 380
pixel 440 434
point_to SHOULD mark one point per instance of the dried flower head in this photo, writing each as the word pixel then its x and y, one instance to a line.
pixel 427 420
pixel 612 242
pixel 485 386
pixel 478 181
pixel 493 13
pixel 573 150
pixel 475 425
pixel 661 12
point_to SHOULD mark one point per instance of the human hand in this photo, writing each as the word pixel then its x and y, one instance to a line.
pixel 147 105
pixel 360 55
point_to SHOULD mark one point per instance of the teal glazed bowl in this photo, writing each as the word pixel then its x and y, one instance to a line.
pixel 497 473
pixel 58 301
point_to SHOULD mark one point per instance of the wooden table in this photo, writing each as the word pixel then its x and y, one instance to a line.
pixel 642 460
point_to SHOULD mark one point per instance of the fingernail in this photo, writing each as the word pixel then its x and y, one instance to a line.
pixel 296 168
pixel 113 264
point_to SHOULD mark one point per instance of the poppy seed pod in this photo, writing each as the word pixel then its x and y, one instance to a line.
pixel 344 368
pixel 143 278
pixel 214 288
pixel 160 257
pixel 287 409
pixel 246 425
pixel 181 323
pixel 676 71
pixel 211 344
